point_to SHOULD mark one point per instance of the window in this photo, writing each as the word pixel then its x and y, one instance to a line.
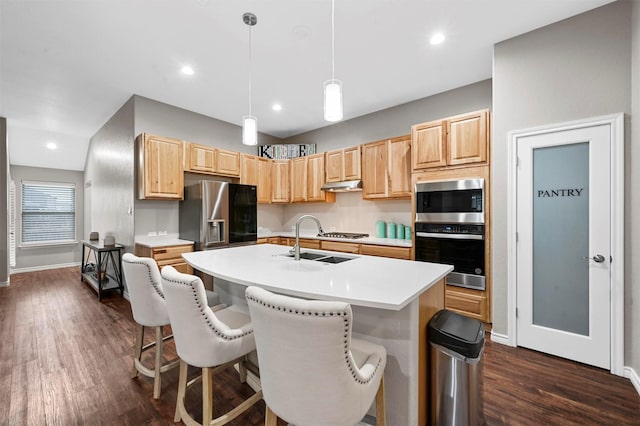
pixel 48 213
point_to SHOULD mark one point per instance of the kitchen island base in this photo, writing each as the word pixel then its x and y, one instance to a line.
pixel 404 335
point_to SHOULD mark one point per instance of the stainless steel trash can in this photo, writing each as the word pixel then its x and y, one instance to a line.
pixel 456 346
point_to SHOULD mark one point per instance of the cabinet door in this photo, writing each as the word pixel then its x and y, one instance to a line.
pixel 248 169
pixel 334 161
pixel 227 162
pixel 467 135
pixel 264 180
pixel 338 246
pixel 280 181
pixel 315 177
pixel 200 158
pixel 429 145
pixel 352 163
pixel 160 171
pixel 387 251
pixel 298 179
pixel 400 167
pixel 375 176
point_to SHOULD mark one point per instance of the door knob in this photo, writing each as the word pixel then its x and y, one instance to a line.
pixel 598 258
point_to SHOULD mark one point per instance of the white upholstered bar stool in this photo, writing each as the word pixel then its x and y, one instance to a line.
pixel 206 339
pixel 312 371
pixel 144 286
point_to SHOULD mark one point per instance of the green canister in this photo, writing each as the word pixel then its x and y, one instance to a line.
pixel 391 230
pixel 380 229
pixel 400 231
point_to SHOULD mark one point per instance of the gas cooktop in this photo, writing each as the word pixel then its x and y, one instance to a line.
pixel 347 235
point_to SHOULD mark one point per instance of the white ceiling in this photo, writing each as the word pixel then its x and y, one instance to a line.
pixel 68 65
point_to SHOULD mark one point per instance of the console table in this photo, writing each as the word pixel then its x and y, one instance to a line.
pixel 102 279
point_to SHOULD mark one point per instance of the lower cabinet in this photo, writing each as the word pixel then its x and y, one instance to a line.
pixel 472 303
pixel 167 255
pixel 339 246
pixel 386 251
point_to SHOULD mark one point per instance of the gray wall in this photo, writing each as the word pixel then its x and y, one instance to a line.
pixel 574 69
pixel 632 324
pixel 166 120
pixel 109 179
pixel 397 121
pixel 4 204
pixel 48 256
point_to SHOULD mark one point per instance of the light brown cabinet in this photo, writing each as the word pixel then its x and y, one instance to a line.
pixel 298 180
pixel 386 251
pixel 343 164
pixel 307 177
pixel 160 175
pixel 472 303
pixel 457 140
pixel 167 255
pixel 386 168
pixel 211 160
pixel 339 246
pixel 280 190
pixel 257 171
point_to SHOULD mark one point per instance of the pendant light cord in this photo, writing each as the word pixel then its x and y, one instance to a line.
pixel 250 67
pixel 333 37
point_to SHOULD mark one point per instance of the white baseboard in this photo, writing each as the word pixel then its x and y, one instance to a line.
pixel 44 267
pixel 503 339
pixel 634 377
pixel 4 284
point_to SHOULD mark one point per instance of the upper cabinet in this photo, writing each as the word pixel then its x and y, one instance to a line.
pixel 280 190
pixel 307 177
pixel 160 175
pixel 386 168
pixel 207 159
pixel 256 171
pixel 315 179
pixel 342 164
pixel 458 140
pixel 298 179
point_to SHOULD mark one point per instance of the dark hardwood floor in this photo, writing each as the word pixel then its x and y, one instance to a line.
pixel 65 359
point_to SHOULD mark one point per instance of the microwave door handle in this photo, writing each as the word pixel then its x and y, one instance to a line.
pixel 450 236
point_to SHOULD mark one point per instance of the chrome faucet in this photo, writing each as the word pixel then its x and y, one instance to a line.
pixel 296 248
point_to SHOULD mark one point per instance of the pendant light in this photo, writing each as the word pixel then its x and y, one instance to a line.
pixel 333 87
pixel 249 122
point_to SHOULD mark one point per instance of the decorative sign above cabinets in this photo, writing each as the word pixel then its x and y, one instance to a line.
pixel 283 152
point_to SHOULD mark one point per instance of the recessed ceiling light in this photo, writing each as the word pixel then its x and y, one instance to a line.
pixel 187 70
pixel 276 107
pixel 51 145
pixel 437 38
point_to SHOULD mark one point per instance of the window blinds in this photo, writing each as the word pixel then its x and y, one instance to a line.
pixel 48 213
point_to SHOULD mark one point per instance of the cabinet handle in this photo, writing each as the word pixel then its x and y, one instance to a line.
pixel 160 251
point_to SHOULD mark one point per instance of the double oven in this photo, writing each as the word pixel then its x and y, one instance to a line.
pixel 450 228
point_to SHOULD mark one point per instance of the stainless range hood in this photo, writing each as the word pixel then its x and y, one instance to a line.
pixel 344 186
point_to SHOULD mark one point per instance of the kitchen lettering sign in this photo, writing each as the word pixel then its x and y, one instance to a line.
pixel 551 193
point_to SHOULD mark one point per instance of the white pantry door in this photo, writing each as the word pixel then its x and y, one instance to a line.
pixel 564 244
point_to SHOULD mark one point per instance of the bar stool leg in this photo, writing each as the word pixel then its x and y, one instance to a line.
pixel 182 389
pixel 381 416
pixel 270 418
pixel 137 349
pixel 157 377
pixel 207 395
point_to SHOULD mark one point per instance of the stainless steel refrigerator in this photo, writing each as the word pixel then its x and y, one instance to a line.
pixel 217 214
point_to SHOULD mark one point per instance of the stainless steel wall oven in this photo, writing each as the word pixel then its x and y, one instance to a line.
pixel 449 228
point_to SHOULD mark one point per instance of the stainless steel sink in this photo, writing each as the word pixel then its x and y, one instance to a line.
pixel 321 257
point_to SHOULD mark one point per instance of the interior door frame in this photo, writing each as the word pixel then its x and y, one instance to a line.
pixel 616 123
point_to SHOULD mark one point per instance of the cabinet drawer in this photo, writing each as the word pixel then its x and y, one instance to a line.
pixel 306 243
pixel 343 247
pixel 467 302
pixel 274 240
pixel 172 252
pixel 387 251
pixel 262 241
pixel 181 266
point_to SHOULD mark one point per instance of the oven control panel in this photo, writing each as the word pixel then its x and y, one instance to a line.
pixel 444 228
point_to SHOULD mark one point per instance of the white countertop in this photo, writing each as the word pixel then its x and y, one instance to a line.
pixel 314 235
pixel 376 282
pixel 160 241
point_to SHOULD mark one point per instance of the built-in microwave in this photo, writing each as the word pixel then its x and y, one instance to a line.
pixel 452 201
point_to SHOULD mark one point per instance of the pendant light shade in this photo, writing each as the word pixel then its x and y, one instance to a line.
pixel 249 122
pixel 333 100
pixel 249 130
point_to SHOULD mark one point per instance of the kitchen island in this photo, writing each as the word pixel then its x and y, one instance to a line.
pixel 392 301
